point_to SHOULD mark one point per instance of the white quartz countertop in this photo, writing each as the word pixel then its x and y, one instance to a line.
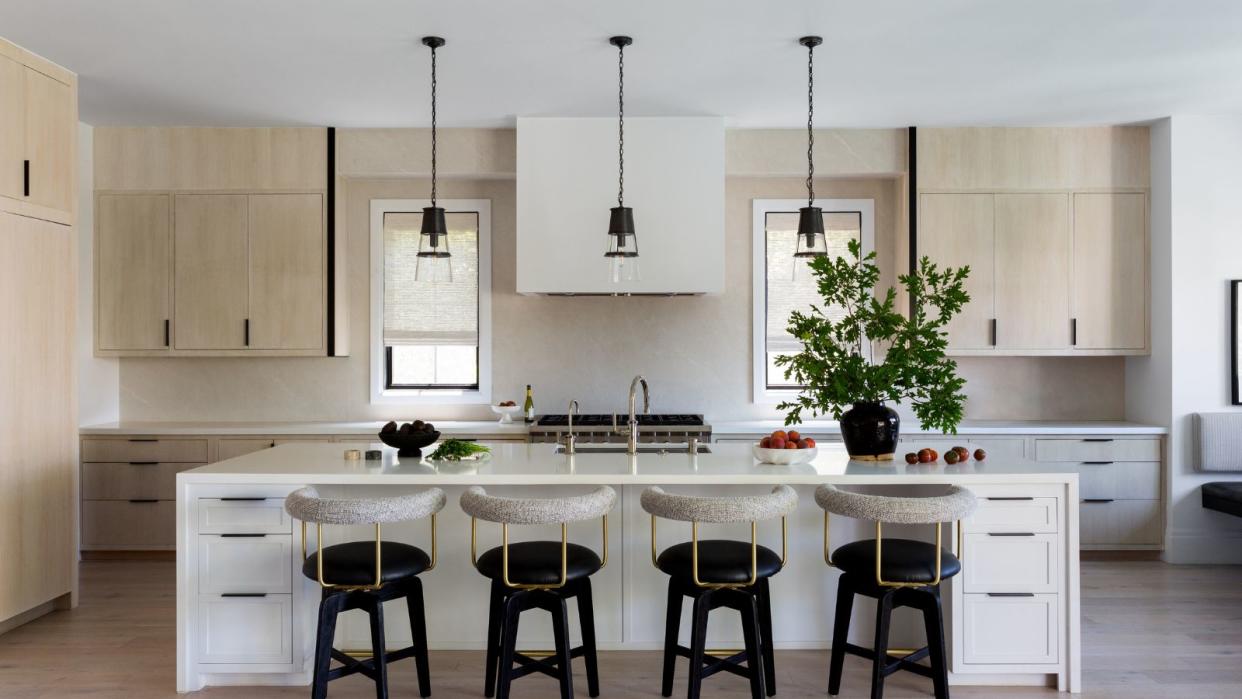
pixel 520 429
pixel 539 464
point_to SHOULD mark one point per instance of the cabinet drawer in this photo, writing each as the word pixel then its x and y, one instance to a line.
pixel 1003 630
pixel 140 449
pixel 229 448
pixel 244 564
pixel 123 481
pixel 243 516
pixel 245 629
pixel 121 524
pixel 1121 522
pixel 1016 513
pixel 1120 480
pixel 1002 563
pixel 1097 449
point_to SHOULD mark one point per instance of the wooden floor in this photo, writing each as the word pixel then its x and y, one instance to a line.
pixel 1149 630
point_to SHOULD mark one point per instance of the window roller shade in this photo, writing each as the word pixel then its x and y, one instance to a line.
pixel 425 312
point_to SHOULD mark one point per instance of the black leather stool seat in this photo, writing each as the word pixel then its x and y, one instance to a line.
pixel 354 563
pixel 904 560
pixel 720 561
pixel 1223 497
pixel 539 562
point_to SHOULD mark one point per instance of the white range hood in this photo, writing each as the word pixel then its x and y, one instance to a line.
pixel 567 182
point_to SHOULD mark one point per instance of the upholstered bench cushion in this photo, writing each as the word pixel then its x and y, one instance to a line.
pixel 1223 497
pixel 539 562
pixel 720 561
pixel 354 563
pixel 904 560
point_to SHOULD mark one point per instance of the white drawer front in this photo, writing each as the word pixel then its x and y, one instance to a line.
pixel 1010 630
pixel 1121 522
pixel 1097 449
pixel 245 629
pixel 244 564
pixel 1014 514
pixel 998 563
pixel 1120 480
pixel 243 516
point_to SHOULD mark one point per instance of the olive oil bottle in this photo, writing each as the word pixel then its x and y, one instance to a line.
pixel 529 406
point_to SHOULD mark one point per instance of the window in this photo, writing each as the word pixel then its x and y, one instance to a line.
pixel 431 338
pixel 783 283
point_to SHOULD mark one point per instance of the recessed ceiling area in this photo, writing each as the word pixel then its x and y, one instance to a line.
pixel 883 64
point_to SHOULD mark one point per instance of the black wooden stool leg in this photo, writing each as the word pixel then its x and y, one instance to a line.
pixel 509 631
pixel 494 622
pixel 883 614
pixel 750 634
pixel 560 632
pixel 418 631
pixel 376 611
pixel 765 636
pixel 840 633
pixel 586 616
pixel 672 624
pixel 933 622
pixel 329 607
pixel 698 642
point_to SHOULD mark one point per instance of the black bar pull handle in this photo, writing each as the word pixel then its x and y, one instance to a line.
pixel 143 439
pixel 1097 499
pixel 243 594
pixel 993 333
pixel 1011 594
pixel 1098 463
pixel 144 463
pixel 1073 331
pixel 25 178
pixel 242 499
pixel 1098 439
pixel 1023 497
pixel 1011 533
pixel 167 333
pixel 243 536
pixel 247 332
pixel 143 501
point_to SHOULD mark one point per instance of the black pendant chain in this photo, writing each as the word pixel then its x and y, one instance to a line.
pixel 433 125
pixel 810 118
pixel 620 124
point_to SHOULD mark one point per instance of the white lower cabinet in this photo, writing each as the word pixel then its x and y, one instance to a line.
pixel 1015 513
pixel 242 515
pixel 244 564
pixel 1004 563
pixel 1010 629
pixel 245 629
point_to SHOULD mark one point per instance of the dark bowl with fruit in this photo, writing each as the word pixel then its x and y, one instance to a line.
pixel 409 438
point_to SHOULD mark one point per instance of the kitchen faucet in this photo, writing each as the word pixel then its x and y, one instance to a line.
pixel 631 445
pixel 570 440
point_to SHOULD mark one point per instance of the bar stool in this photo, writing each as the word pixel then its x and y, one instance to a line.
pixel 897 573
pixel 364 575
pixel 538 575
pixel 720 573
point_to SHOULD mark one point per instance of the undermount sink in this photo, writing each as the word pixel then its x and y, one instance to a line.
pixel 642 449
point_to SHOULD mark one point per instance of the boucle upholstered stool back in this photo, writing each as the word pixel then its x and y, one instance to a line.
pixel 307 505
pixel 957 503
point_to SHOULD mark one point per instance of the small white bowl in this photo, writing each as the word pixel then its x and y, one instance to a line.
pixel 783 457
pixel 507 412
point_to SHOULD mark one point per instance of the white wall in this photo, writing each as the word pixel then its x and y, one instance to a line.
pixel 1196 216
pixel 98 379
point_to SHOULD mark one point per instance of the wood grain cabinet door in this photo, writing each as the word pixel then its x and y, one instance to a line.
pixel 51 131
pixel 133 253
pixel 286 271
pixel 210 271
pixel 12 127
pixel 1110 270
pixel 955 230
pixel 1032 271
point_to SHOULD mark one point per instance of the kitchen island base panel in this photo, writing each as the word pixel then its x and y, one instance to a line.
pixel 630 594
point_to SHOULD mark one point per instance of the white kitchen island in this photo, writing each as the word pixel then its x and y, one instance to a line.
pixel 245 613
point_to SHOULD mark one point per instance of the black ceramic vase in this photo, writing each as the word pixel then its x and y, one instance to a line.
pixel 870 431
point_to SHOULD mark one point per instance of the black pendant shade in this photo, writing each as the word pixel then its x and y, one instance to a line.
pixel 811 241
pixel 621 228
pixel 622 253
pixel 435 244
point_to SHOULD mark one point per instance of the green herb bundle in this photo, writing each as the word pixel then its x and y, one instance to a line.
pixel 456 450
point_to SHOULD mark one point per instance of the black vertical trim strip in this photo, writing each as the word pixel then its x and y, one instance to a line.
pixel 912 157
pixel 1233 340
pixel 331 228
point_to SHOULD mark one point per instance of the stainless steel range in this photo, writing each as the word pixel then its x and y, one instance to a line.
pixel 601 428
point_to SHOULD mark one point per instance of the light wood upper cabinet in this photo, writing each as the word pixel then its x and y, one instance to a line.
pixel 133 255
pixel 210 271
pixel 286 271
pixel 1032 271
pixel 51 129
pixel 12 127
pixel 1110 270
pixel 956 230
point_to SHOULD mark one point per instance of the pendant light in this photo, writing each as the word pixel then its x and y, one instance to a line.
pixel 811 241
pixel 622 254
pixel 433 262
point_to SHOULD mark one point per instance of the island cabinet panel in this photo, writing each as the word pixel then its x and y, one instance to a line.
pixel 1032 272
pixel 955 230
pixel 210 271
pixel 249 630
pixel 133 275
pixel 1110 270
pixel 1009 630
pixel 286 273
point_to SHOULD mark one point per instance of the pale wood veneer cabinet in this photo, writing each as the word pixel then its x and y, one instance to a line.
pixel 38 136
pixel 132 267
pixel 210 274
pixel 1110 270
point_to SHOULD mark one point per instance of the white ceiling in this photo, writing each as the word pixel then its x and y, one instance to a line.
pixel 884 63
